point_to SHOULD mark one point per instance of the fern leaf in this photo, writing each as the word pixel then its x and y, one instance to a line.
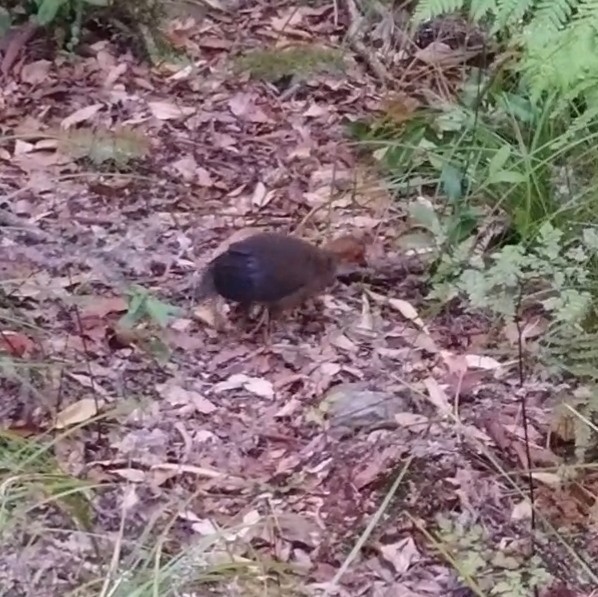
pixel 478 9
pixel 428 9
pixel 553 14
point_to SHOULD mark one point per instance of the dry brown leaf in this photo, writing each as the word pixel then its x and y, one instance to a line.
pixel 256 385
pixel 133 475
pixel 210 314
pixel 315 111
pixel 158 477
pixel 114 74
pixel 530 330
pixel 408 311
pixel 289 407
pixel 169 111
pixel 366 320
pixel 78 412
pixel 412 421
pixel 343 343
pixel 15 343
pixel 130 498
pixel 23 147
pixel 186 167
pixel 81 115
pixel 550 479
pixel 261 196
pixel 418 339
pixel 100 306
pixel 401 555
pixel 287 18
pixel 521 510
pixel 437 396
pixel 177 395
pixel 204 178
pixel 36 72
pixel 244 108
pixel 438 53
pixel 481 362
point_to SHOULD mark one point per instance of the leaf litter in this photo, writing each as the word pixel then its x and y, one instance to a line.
pixel 291 446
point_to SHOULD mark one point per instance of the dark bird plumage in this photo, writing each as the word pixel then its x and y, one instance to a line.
pixel 276 270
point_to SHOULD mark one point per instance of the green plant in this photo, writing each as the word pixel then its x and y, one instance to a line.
pixel 573 420
pixel 68 19
pixel 493 571
pixel 5 21
pixel 555 271
pixel 43 509
pixel 300 61
pixel 143 306
pixel 558 38
pixel 49 10
pixel 138 325
pixel 118 148
pixel 501 154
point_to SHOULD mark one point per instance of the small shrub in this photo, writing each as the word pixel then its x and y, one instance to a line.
pixel 490 570
pixel 137 20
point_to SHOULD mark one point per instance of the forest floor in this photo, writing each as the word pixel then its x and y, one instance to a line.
pixel 257 467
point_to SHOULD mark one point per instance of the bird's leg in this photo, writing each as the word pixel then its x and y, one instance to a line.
pixel 269 314
pixel 268 325
pixel 263 320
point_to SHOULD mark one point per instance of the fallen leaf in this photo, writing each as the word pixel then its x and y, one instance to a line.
pixel 36 72
pixel 81 115
pixel 256 385
pixel 169 111
pixel 244 108
pixel 78 412
pixel 521 511
pixel 413 421
pixel 438 53
pixel 186 167
pixel 177 395
pixel 437 396
pixel 408 311
pixel 261 196
pixel 289 407
pixel 131 474
pixel 15 343
pixel 401 554
pixel 101 306
pixel 550 479
pixel 481 362
pixel 315 111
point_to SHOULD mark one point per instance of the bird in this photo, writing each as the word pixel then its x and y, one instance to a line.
pixel 277 271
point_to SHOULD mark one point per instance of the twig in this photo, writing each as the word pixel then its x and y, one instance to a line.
pixel 354 33
pixel 9 219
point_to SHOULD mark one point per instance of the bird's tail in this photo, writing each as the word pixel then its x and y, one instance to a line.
pixel 205 288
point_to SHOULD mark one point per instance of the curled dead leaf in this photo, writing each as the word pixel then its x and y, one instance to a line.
pixel 81 115
pixel 256 385
pixel 133 475
pixel 76 413
pixel 15 343
pixel 169 111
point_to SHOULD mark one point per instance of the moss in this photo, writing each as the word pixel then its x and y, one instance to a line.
pixel 303 61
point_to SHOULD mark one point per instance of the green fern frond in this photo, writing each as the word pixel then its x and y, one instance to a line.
pixel 587 11
pixel 553 14
pixel 479 9
pixel 559 37
pixel 428 9
pixel 510 12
